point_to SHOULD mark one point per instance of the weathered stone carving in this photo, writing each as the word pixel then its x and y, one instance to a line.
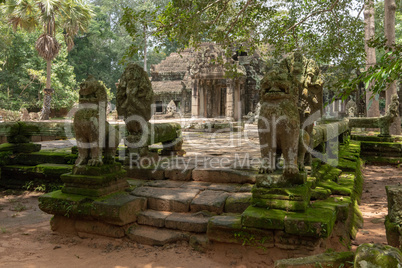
pixel 134 99
pixel 171 108
pixel 24 114
pixel 383 122
pixel 291 91
pixel 351 108
pixel 92 131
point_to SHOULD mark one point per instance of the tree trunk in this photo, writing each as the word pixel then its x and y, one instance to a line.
pixel 47 99
pixel 389 27
pixel 373 110
pixel 145 48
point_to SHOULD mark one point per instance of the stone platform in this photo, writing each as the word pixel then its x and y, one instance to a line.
pixel 157 212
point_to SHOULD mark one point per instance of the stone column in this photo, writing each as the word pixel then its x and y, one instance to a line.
pixel 229 98
pixel 194 99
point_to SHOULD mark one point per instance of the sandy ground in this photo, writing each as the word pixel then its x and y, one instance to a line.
pixel 27 241
pixel 374 204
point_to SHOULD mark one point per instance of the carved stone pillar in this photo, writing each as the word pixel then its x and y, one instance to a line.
pixel 194 100
pixel 229 98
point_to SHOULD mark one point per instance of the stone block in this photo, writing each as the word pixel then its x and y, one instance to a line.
pixel 277 179
pixel 225 187
pixel 96 190
pixel 375 255
pixel 294 198
pixel 37 158
pixel 164 184
pixel 196 222
pixel 145 174
pixel 316 222
pixel 320 193
pixel 271 219
pixel 200 185
pixel 167 199
pixel 155 236
pixel 237 202
pixel 179 174
pixel 224 175
pixel 118 208
pixel 153 218
pixel 340 204
pixel 99 228
pixel 394 197
pixel 336 259
pixel 213 201
pixel 393 232
pixel 228 229
pixel 67 205
pixel 287 241
pixel 199 243
pixel 20 147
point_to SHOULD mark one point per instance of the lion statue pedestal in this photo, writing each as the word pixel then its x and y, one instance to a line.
pixel 291 91
pixel 95 172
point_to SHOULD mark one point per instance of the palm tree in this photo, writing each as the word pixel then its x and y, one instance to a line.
pixel 70 15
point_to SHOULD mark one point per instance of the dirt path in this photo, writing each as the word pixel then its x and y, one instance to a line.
pixel 374 206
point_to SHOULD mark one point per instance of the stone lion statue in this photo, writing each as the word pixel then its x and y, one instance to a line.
pixel 389 117
pixel 93 133
pixel 291 90
pixel 134 99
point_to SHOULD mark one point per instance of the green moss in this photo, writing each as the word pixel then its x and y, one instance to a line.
pixel 394 233
pixel 327 172
pixel 336 188
pixel 375 255
pixel 20 147
pixel 335 259
pixel 54 170
pixel 68 205
pixel 272 219
pixel 320 193
pixel 287 205
pixel 37 158
pixel 315 222
pixel 5 158
pixel 341 205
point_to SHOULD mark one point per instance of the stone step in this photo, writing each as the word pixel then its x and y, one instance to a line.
pixel 167 199
pixel 155 236
pixel 175 196
pixel 190 222
pixel 224 175
pixel 17 176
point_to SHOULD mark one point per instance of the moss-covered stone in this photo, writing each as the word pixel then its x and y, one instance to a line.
pixel 376 138
pixel 375 255
pixel 382 160
pixel 97 170
pixel 37 158
pixel 228 229
pixel 394 197
pixel 315 222
pixel 335 259
pixel 340 204
pixel 394 233
pixel 53 170
pixel 271 219
pixel 237 202
pixel 118 208
pixel 68 205
pixel 327 172
pixel 20 147
pixel 356 220
pixel 320 193
pixel 336 188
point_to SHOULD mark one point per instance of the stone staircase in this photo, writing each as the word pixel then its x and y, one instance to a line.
pixel 178 210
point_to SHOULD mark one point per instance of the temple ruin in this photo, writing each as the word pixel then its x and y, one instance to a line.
pixel 198 82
